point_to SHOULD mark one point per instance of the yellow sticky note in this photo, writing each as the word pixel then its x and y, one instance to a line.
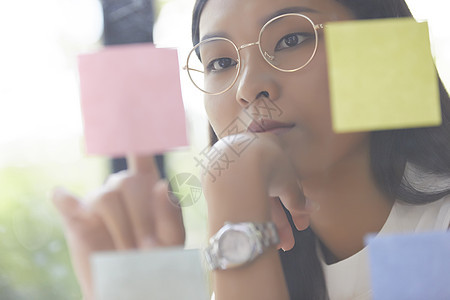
pixel 382 75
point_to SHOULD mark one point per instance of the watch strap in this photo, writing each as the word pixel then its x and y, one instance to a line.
pixel 265 233
pixel 269 234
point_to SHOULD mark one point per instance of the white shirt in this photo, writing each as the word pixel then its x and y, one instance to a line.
pixel 349 278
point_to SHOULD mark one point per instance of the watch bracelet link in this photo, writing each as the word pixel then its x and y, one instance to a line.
pixel 266 234
pixel 269 233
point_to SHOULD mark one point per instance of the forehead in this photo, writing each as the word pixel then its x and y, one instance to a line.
pixel 249 15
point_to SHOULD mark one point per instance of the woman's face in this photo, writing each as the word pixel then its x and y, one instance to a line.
pixel 299 100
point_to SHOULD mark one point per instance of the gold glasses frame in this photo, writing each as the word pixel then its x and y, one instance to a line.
pixel 267 57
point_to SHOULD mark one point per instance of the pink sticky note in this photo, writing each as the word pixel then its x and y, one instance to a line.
pixel 131 100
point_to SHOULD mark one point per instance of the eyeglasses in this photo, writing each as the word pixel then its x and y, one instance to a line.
pixel 287 42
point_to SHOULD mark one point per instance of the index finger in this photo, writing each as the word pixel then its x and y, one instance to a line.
pixel 143 164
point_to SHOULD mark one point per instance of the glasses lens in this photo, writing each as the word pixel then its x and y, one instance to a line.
pixel 218 68
pixel 289 42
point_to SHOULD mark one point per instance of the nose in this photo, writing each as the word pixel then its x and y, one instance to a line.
pixel 256 79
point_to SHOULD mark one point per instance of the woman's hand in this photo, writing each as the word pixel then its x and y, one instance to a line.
pixel 254 186
pixel 131 211
pixel 251 189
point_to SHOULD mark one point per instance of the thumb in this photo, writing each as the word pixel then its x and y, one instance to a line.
pixel 67 204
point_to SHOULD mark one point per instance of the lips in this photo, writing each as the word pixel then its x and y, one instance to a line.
pixel 267 125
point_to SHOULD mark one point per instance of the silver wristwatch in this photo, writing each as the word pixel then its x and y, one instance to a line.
pixel 237 244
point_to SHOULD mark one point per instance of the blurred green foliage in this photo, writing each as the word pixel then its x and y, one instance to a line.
pixel 34 259
pixel 194 216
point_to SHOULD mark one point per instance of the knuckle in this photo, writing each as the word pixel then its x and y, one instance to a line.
pixel 113 179
pixel 122 180
pixel 105 200
pixel 126 182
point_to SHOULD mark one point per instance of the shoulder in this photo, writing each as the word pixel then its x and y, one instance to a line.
pixel 431 216
pixel 444 212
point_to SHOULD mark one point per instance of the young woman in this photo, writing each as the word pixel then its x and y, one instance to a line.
pixel 323 191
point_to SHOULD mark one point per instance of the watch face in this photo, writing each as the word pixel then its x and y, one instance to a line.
pixel 235 246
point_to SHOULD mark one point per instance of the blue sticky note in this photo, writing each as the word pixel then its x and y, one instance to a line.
pixel 410 266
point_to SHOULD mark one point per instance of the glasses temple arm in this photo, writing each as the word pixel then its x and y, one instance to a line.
pixel 191 69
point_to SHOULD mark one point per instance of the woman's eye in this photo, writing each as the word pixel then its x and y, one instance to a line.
pixel 291 40
pixel 220 64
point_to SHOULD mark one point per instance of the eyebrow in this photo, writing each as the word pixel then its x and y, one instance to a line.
pixel 214 34
pixel 287 10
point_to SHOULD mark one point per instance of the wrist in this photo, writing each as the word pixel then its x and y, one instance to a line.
pixel 238 193
pixel 238 244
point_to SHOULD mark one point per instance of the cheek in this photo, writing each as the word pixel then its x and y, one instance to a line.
pixel 318 147
pixel 212 113
pixel 317 80
pixel 319 95
pixel 220 112
pixel 309 92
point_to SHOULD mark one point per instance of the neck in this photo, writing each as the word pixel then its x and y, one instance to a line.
pixel 346 215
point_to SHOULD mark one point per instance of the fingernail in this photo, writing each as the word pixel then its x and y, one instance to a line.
pixel 312 206
pixel 148 243
pixel 57 192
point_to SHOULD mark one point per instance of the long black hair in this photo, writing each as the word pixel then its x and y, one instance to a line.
pixel 428 149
